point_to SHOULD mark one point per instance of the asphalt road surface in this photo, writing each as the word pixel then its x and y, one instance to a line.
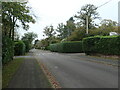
pixel 29 75
pixel 78 71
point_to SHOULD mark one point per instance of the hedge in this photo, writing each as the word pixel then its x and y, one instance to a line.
pixel 7 49
pixel 67 47
pixel 27 45
pixel 19 48
pixel 107 45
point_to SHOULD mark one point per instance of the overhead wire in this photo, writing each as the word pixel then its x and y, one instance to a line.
pixel 104 4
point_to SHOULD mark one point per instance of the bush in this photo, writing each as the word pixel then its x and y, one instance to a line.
pixel 89 44
pixel 19 48
pixel 107 45
pixel 67 47
pixel 27 45
pixel 7 49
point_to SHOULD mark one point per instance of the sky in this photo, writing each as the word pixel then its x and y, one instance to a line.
pixel 53 12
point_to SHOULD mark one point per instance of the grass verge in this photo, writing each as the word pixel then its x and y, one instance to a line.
pixel 9 70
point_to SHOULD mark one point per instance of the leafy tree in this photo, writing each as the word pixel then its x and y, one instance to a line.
pixel 62 31
pixel 66 30
pixel 42 43
pixel 55 40
pixel 77 35
pixel 70 26
pixel 16 36
pixel 49 32
pixel 108 23
pixel 13 12
pixel 89 12
pixel 30 36
pixel 107 26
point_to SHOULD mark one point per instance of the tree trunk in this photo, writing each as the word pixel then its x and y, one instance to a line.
pixel 13 27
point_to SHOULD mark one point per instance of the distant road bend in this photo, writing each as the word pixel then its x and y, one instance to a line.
pixel 72 71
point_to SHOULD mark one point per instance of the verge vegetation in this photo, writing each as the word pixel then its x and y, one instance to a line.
pixel 9 70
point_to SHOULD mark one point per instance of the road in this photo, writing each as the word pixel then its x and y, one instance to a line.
pixel 78 71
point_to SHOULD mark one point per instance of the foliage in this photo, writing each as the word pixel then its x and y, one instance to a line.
pixel 70 26
pixel 30 36
pixel 7 49
pixel 118 28
pixel 9 70
pixel 44 43
pixel 77 35
pixel 88 11
pixel 67 47
pixel 108 23
pixel 103 30
pixel 62 31
pixel 13 12
pixel 108 45
pixel 89 44
pixel 27 45
pixel 19 48
pixel 49 31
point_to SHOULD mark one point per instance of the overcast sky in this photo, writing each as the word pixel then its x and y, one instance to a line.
pixel 53 12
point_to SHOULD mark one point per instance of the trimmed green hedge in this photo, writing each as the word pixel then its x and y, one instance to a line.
pixel 67 47
pixel 19 48
pixel 107 45
pixel 7 49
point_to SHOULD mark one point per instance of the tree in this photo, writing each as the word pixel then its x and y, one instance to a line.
pixel 70 26
pixel 42 43
pixel 30 36
pixel 108 25
pixel 66 30
pixel 49 32
pixel 77 35
pixel 36 42
pixel 62 31
pixel 87 13
pixel 13 12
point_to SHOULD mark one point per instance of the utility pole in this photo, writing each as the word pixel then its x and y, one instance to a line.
pixel 87 15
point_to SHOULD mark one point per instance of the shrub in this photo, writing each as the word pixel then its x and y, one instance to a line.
pixel 27 45
pixel 89 44
pixel 47 48
pixel 7 49
pixel 107 45
pixel 19 48
pixel 67 47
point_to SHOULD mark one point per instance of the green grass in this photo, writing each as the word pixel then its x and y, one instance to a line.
pixel 9 70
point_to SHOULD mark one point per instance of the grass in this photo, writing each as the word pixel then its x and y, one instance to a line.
pixel 9 70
